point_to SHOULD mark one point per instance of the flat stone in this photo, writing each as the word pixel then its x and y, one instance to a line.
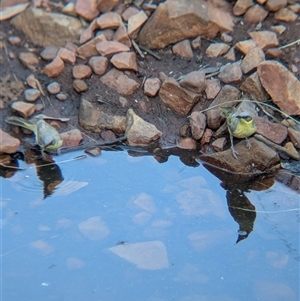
pixel 230 55
pixel 294 136
pixel 135 22
pixel 23 108
pixel 8 144
pixel 255 14
pixel 275 132
pixel 71 138
pixel 274 53
pixel 183 49
pixel 197 124
pixel 177 98
pixel 79 85
pixel 138 131
pixel 228 93
pixel 67 55
pixel 106 5
pixel 98 64
pixel 216 49
pixel 82 71
pixel 280 29
pixel 108 48
pixel 264 39
pixel 31 95
pixel 88 33
pixel 245 46
pixel 60 28
pixel 87 9
pixel 194 81
pixel 252 59
pixel 128 12
pixel 200 18
pixel 281 85
pixel 93 119
pixel 109 20
pixel 219 144
pixel 213 87
pixel 274 5
pixel 29 60
pixel 121 36
pixel 125 61
pixel 260 158
pixel 120 82
pixel 54 68
pixel 49 53
pixel 286 15
pixel 61 96
pixel 253 87
pixel 89 49
pixel 231 73
pixel 152 86
pixel 53 88
pixel 241 7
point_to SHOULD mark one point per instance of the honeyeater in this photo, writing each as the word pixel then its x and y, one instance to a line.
pixel 240 125
pixel 46 136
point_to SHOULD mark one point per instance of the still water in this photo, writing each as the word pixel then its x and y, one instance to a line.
pixel 117 227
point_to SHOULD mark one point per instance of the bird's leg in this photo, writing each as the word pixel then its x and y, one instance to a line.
pixel 248 143
pixel 234 152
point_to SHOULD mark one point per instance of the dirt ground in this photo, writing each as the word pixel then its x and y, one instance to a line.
pixel 150 109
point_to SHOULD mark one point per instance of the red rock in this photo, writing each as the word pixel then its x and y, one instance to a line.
pixel 109 20
pixel 135 22
pixel 108 48
pixel 194 81
pixel 106 5
pixel 89 49
pixel 274 53
pixel 274 5
pixel 245 46
pixel 79 85
pixel 187 143
pixel 198 124
pixel 206 136
pixel 183 49
pixel 152 86
pixel 23 108
pixel 71 138
pixel 67 55
pixel 231 73
pixel 255 14
pixel 264 39
pixel 88 33
pixel 125 61
pixel 252 59
pixel 8 144
pixel 55 67
pixel 128 12
pixel 216 49
pixel 286 15
pixel 87 9
pixel 281 85
pixel 121 35
pixel 241 7
pixel 213 87
pixel 82 71
pixel 29 60
pixel 273 131
pixel 120 82
pixel 294 136
pixel 219 144
pixel 98 64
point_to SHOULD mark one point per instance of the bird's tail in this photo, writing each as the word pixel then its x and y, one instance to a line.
pixel 19 121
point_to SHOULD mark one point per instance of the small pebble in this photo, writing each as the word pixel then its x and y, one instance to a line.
pixel 14 40
pixel 32 94
pixel 61 96
pixel 39 107
pixel 79 85
pixel 53 88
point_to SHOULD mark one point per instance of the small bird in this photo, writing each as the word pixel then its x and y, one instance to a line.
pixel 240 125
pixel 46 135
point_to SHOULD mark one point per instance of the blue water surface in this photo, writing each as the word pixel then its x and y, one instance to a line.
pixel 128 228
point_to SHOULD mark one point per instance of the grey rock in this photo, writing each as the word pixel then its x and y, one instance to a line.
pixel 194 81
pixel 198 124
pixel 53 88
pixel 32 94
